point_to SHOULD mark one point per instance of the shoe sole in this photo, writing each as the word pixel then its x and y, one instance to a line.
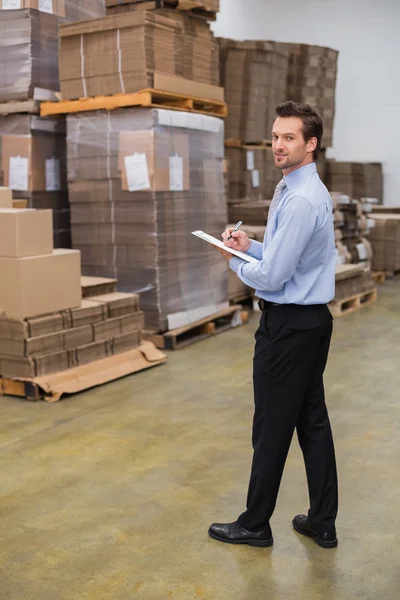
pixel 256 543
pixel 321 543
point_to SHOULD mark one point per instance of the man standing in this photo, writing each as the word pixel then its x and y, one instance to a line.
pixel 294 279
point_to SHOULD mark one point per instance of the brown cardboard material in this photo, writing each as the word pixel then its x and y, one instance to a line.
pixel 92 352
pixel 99 372
pixel 158 148
pixel 20 203
pixel 6 200
pixel 25 232
pixel 187 87
pixel 46 324
pixel 57 6
pixel 132 322
pixel 13 329
pixel 124 342
pixel 87 313
pixel 95 286
pixel 78 336
pixel 119 303
pixel 41 284
pixel 51 363
pixel 107 329
pixel 13 366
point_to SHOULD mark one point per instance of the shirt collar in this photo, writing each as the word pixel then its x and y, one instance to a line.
pixel 296 177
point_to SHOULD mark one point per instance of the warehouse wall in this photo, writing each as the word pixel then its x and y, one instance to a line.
pixel 366 33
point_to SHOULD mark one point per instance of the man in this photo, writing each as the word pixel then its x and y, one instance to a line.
pixel 294 279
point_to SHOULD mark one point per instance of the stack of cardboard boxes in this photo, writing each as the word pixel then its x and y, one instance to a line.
pixel 357 180
pixel 140 180
pixel 33 166
pixel 385 239
pixel 96 56
pixel 45 326
pixel 353 226
pixel 352 280
pixel 33 150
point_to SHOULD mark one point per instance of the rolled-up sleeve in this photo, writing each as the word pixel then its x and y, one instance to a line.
pixel 279 260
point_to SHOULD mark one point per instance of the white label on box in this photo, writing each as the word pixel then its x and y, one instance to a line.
pixel 12 4
pixel 340 259
pixel 362 252
pixel 53 180
pixel 176 173
pixel 255 178
pixel 250 160
pixel 46 6
pixel 137 172
pixel 18 178
pixel 370 223
pixel 367 207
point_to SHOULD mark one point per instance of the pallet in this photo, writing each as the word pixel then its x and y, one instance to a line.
pixel 199 330
pixel 231 143
pixel 149 98
pixel 20 106
pixel 339 308
pixel 382 276
pixel 245 300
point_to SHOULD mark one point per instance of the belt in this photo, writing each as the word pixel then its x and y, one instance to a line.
pixel 264 304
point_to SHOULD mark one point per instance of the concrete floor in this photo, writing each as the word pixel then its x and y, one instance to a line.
pixel 108 495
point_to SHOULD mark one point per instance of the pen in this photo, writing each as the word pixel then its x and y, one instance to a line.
pixel 238 224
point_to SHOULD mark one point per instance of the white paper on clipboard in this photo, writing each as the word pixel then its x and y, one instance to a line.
pixel 212 240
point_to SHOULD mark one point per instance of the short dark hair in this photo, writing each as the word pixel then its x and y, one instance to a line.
pixel 312 122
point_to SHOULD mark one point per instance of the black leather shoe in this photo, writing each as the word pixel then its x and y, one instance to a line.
pixel 234 533
pixel 325 539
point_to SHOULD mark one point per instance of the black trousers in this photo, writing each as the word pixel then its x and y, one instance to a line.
pixel 292 345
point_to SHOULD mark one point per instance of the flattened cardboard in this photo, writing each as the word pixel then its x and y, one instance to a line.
pixel 118 304
pixel 92 352
pixel 187 87
pixel 45 324
pixel 79 336
pixel 95 286
pixel 25 232
pixel 87 313
pixel 51 363
pixel 107 329
pixel 126 341
pixel 132 322
pixel 99 372
pixel 19 203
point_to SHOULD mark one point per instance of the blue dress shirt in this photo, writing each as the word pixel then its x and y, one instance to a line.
pixel 297 260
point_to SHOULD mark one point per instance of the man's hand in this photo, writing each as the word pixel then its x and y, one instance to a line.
pixel 238 241
pixel 224 253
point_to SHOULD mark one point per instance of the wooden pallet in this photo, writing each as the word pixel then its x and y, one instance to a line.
pixel 231 143
pixel 150 98
pixel 20 106
pixel 382 276
pixel 339 308
pixel 199 330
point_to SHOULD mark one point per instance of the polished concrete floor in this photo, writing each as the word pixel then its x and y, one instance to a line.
pixel 108 495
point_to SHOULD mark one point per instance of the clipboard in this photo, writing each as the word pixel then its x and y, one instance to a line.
pixel 212 240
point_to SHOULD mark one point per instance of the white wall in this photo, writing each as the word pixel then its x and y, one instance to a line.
pixel 367 35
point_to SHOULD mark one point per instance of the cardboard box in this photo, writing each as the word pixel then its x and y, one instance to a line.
pixel 46 324
pixel 154 152
pixel 78 336
pixel 52 7
pixel 51 363
pixel 20 203
pixel 25 232
pixel 132 322
pixel 6 200
pixel 40 284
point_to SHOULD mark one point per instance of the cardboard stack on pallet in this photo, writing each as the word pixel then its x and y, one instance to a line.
pixel 96 56
pixel 385 239
pixel 33 166
pixel 140 180
pixel 45 325
pixel 357 180
pixel 29 44
pixel 353 226
pixel 207 9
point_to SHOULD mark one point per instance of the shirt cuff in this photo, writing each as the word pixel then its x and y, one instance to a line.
pixel 253 249
pixel 235 262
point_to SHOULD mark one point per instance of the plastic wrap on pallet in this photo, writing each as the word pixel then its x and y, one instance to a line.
pixel 253 74
pixel 140 181
pixel 33 165
pixel 96 57
pixel 29 44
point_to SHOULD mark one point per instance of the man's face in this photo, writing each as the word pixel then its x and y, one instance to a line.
pixel 288 144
